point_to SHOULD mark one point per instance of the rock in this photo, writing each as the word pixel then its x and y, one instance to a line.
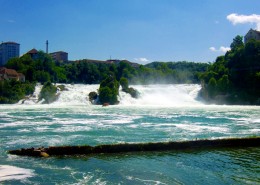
pixel 105 104
pixel 92 96
pixel 133 92
pixel 62 88
pixel 44 154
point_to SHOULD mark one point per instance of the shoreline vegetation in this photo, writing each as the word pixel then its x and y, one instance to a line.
pixel 232 79
pixel 138 147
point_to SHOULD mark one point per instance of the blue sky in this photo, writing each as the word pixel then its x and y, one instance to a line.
pixel 137 30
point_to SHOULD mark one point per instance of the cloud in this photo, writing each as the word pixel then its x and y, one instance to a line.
pixel 221 49
pixel 244 19
pixel 141 60
pixel 212 49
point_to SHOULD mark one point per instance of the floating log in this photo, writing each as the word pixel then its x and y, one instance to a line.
pixel 138 147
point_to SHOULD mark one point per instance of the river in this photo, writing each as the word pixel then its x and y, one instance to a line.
pixel 162 113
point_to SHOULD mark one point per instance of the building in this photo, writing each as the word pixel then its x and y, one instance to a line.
pixel 8 50
pixel 33 53
pixel 252 34
pixel 59 56
pixel 9 74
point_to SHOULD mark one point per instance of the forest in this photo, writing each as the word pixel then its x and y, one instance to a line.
pixel 43 69
pixel 234 78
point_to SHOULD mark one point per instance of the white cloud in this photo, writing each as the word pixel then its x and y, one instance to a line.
pixel 142 60
pixel 221 49
pixel 212 49
pixel 244 19
pixel 224 49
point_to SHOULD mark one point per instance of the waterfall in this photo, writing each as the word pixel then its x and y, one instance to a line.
pixel 164 95
pixel 158 95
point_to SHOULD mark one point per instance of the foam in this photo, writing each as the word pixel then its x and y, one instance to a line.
pixel 14 173
pixel 201 128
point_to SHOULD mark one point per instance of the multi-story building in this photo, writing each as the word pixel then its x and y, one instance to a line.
pixel 252 34
pixel 8 50
pixel 60 56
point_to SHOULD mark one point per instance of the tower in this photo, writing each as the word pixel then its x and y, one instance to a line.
pixel 8 50
pixel 47 46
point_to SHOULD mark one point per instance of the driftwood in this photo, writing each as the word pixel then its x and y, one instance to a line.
pixel 138 147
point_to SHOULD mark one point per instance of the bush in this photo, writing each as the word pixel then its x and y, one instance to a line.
pixel 48 93
pixel 108 91
pixel 13 91
pixel 124 83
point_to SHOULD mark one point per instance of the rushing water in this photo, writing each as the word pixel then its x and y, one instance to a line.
pixel 162 113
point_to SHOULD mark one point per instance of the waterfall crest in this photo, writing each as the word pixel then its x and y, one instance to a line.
pixel 158 95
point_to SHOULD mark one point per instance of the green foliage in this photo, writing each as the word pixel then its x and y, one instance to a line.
pixel 109 90
pixel 212 87
pixel 42 69
pixel 175 72
pixel 48 93
pixel 13 91
pixel 235 76
pixel 237 43
pixel 124 83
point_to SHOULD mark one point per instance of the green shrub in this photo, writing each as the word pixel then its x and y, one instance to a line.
pixel 109 90
pixel 48 93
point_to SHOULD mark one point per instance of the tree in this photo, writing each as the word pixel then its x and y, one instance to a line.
pixel 237 43
pixel 109 90
pixel 124 83
pixel 212 87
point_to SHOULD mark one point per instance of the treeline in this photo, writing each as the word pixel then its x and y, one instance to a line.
pixel 178 72
pixel 40 69
pixel 235 77
pixel 43 69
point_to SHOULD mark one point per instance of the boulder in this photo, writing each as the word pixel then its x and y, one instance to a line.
pixel 92 96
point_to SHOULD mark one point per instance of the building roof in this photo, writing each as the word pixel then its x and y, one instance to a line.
pixel 58 52
pixel 33 51
pixel 9 72
pixel 252 30
pixel 10 42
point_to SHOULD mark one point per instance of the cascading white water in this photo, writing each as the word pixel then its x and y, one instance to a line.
pixel 76 94
pixel 33 99
pixel 158 95
pixel 163 95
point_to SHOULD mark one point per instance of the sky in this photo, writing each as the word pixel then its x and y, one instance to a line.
pixel 140 31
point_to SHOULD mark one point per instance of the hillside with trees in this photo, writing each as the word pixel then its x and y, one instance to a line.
pixel 235 77
pixel 43 69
